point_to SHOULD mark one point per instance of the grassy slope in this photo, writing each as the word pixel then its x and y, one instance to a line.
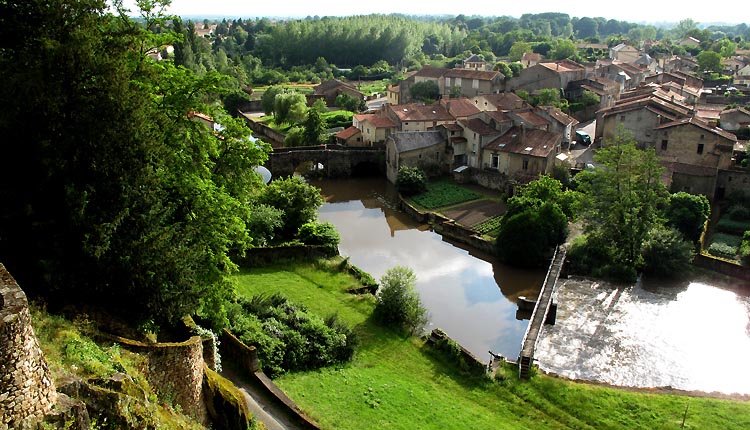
pixel 397 383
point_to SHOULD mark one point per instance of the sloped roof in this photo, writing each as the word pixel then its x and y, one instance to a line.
pixel 698 123
pixel 418 112
pixel 498 116
pixel 740 110
pixel 412 140
pixel 478 126
pixel 623 47
pixel 430 72
pixel 559 115
pixel 460 107
pixel 505 101
pixel 530 118
pixel 532 142
pixel 348 133
pixel 563 66
pixel 482 75
pixel 474 59
pixel 332 84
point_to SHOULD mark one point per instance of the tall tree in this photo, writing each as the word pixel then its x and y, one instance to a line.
pixel 111 194
pixel 622 197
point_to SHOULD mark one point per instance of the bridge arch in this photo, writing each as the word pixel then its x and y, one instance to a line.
pixel 337 161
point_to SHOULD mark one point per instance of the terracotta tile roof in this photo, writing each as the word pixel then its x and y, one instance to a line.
pixel 460 107
pixel 737 109
pixel 532 142
pixel 394 88
pixel 418 112
pixel 482 75
pixel 478 126
pixel 381 122
pixel 708 114
pixel 505 101
pixel 364 116
pixel 452 126
pixel 431 72
pixel 530 118
pixel 563 66
pixel 701 124
pixel 532 56
pixel 332 84
pixel 413 140
pixel 348 133
pixel 688 169
pixel 558 115
pixel 498 116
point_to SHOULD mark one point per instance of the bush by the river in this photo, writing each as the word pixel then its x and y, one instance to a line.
pixel 411 180
pixel 319 233
pixel 287 336
pixel 398 303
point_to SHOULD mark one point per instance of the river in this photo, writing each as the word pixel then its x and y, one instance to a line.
pixel 691 335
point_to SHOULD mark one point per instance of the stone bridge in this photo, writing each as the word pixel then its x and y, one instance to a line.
pixel 334 161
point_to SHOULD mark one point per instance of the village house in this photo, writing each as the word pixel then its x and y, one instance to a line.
pixel 742 77
pixel 333 88
pixel 393 92
pixel 500 102
pixel 351 136
pixel 680 64
pixel 523 154
pixel 426 73
pixel 460 108
pixel 529 59
pixel 477 134
pixel 733 64
pixel 624 53
pixel 554 75
pixel 423 149
pixel 475 62
pixel 607 90
pixel 470 83
pixel 628 75
pixel 529 119
pixel 417 116
pixel 689 42
pixel 693 152
pixel 375 127
pixel 457 144
pixel 559 121
pixel 734 119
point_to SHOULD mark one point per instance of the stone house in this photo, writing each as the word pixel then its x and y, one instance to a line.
pixel 423 149
pixel 456 144
pixel 693 152
pixel 529 119
pixel 375 127
pixel 628 75
pixel 417 116
pixel 426 73
pixel 393 92
pixel 460 108
pixel 733 64
pixel 555 75
pixel 470 83
pixel 500 102
pixel 475 62
pixel 743 76
pixel 351 136
pixel 624 53
pixel 333 88
pixel 607 89
pixel 734 119
pixel 530 59
pixel 559 121
pixel 689 42
pixel 522 154
pixel 477 134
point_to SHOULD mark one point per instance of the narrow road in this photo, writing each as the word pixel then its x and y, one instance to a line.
pixel 262 409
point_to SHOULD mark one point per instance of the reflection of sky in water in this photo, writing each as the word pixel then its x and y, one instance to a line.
pixel 693 337
pixel 459 290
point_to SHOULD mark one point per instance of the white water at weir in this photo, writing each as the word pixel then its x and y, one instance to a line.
pixel 690 337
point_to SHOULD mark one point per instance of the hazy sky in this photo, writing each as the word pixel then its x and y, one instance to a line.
pixel 729 11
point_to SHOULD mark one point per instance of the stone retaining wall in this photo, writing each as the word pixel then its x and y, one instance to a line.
pixel 175 371
pixel 27 391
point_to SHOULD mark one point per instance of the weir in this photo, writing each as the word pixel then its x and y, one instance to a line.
pixel 539 316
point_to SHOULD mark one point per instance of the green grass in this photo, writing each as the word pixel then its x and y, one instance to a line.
pixel 490 226
pixel 398 382
pixel 444 193
pixel 371 87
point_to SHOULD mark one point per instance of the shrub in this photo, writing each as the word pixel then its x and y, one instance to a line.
pixel 721 249
pixel 411 180
pixel 688 214
pixel 398 303
pixel 665 252
pixel 319 233
pixel 745 248
pixel 288 337
pixel 738 213
pixel 731 226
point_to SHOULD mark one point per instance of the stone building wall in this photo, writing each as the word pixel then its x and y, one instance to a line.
pixel 27 391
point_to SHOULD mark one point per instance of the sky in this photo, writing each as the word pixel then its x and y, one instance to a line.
pixel 637 11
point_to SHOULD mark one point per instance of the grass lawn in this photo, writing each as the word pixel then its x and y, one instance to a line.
pixel 369 88
pixel 442 193
pixel 397 382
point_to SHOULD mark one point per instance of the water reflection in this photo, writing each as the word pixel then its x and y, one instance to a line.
pixel 468 295
pixel 690 335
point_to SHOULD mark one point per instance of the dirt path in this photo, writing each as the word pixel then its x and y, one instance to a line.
pixel 472 213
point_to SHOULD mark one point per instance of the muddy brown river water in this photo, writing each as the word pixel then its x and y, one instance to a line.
pixel 691 335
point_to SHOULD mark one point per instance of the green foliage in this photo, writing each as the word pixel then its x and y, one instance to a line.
pixel 738 212
pixel 745 248
pixel 489 226
pixel 444 193
pixel 728 225
pixel 709 61
pixel 268 99
pixel 688 213
pixel 398 302
pixel 622 198
pixel 426 91
pixel 314 124
pixel 317 233
pixel 141 214
pixel 298 200
pixel 289 337
pixel 549 189
pixel 666 252
pixel 295 136
pixel 289 108
pixel 411 180
pixel 723 249
pixel 527 235
pixel 350 103
pixel 263 222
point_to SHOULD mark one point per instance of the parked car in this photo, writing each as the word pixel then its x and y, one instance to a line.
pixel 583 137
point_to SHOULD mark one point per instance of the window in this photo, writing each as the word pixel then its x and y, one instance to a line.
pixel 700 148
pixel 525 164
pixel 622 117
pixel 475 83
pixel 495 163
pixel 664 144
pixel 437 155
pixel 447 82
pixel 458 82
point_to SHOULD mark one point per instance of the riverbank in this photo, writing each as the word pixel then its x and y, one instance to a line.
pixel 397 382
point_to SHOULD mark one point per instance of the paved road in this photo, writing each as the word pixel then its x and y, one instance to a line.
pixel 264 411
